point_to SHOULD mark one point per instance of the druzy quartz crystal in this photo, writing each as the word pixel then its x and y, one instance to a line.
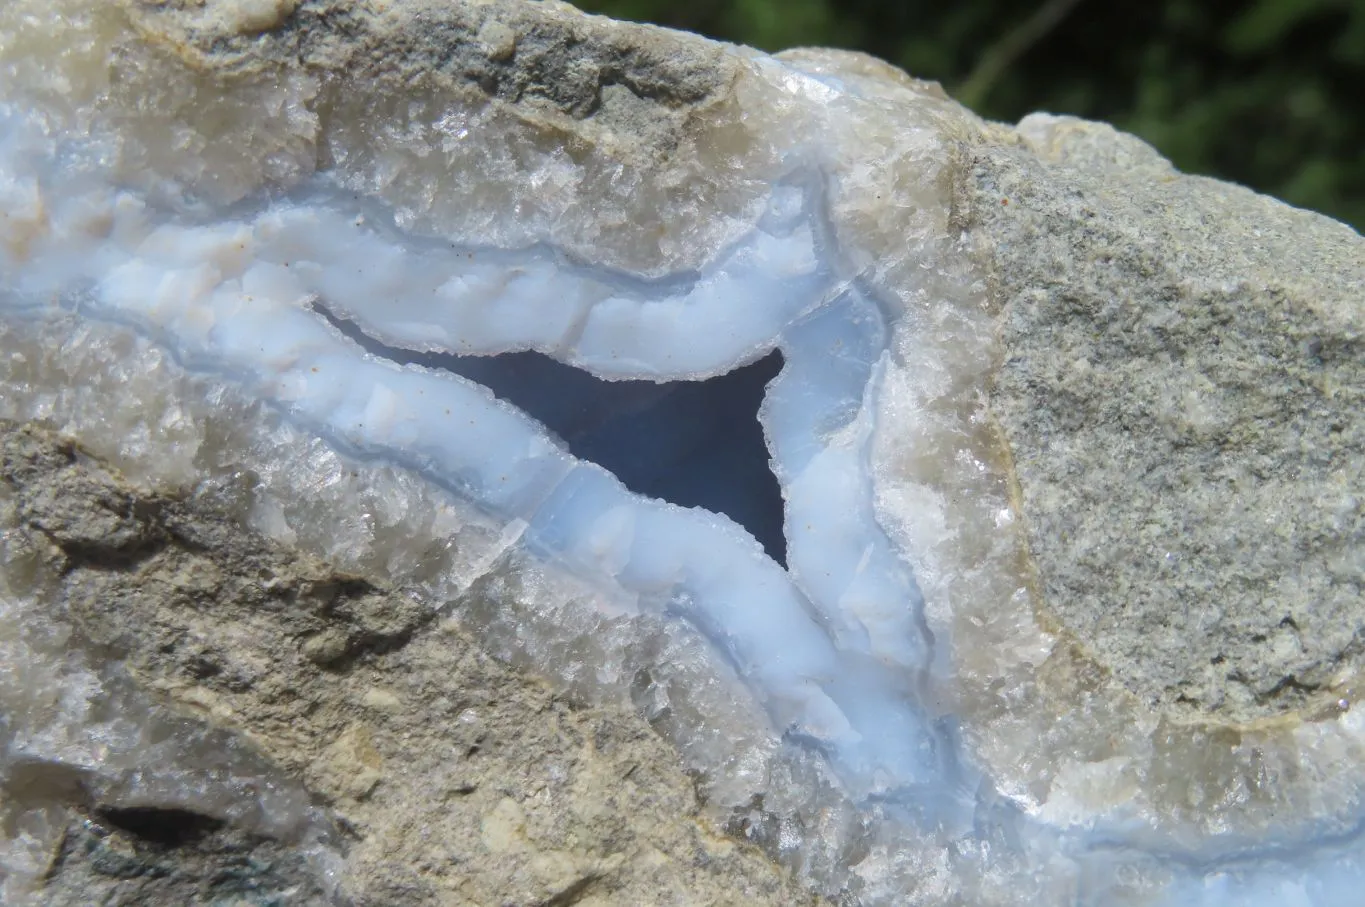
pixel 675 353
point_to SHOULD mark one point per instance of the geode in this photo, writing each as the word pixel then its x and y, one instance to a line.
pixel 976 510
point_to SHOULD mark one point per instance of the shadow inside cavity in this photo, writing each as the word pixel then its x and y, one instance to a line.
pixel 692 443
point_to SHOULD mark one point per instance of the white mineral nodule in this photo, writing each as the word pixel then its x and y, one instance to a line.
pixel 975 511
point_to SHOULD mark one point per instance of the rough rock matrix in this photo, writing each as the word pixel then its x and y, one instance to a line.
pixel 377 524
pixel 422 771
pixel 1193 360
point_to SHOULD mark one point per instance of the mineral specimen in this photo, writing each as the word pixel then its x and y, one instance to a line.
pixel 977 511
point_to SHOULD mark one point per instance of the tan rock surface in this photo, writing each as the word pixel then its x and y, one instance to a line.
pixel 446 778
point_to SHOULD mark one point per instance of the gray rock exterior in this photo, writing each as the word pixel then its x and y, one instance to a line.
pixel 1181 390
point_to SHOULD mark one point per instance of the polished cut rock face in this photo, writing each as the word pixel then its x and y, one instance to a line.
pixel 976 511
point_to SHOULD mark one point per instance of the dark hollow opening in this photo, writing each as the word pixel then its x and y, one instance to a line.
pixel 693 443
pixel 167 826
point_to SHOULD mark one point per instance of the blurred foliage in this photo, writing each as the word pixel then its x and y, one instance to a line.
pixel 1270 93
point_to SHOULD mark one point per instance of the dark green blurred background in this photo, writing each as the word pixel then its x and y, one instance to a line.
pixel 1269 93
